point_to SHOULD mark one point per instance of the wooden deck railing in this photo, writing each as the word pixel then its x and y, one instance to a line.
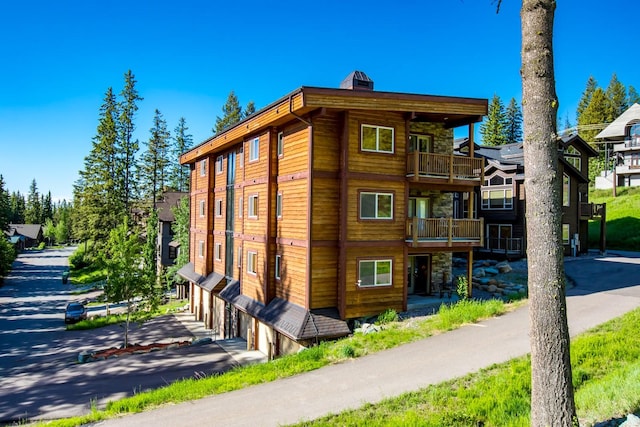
pixel 513 245
pixel 445 166
pixel 447 229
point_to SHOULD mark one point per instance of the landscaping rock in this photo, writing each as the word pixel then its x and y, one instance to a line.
pixel 493 282
pixel 504 268
pixel 492 271
pixel 492 288
pixel 632 421
pixel 479 272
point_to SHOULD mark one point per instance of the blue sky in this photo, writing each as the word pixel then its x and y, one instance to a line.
pixel 59 58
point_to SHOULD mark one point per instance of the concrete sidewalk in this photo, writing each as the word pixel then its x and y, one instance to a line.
pixel 409 367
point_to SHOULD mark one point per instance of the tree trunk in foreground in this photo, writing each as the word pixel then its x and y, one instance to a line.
pixel 552 402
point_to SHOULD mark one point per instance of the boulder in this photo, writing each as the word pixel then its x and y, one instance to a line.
pixel 504 268
pixel 492 271
pixel 479 272
pixel 492 288
pixel 632 421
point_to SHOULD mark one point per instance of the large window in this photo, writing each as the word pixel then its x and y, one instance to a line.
pixel 566 233
pixel 377 138
pixel 566 194
pixel 497 193
pixel 634 135
pixel 499 236
pixel 254 149
pixel 376 205
pixel 252 262
pixel 573 157
pixel 253 206
pixel 374 272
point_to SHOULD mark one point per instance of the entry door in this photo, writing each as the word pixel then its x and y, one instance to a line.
pixel 419 208
pixel 419 274
pixel 420 143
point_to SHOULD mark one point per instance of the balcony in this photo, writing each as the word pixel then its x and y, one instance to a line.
pixel 444 232
pixel 630 144
pixel 444 168
pixel 508 246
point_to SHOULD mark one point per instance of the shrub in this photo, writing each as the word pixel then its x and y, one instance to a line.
pixel 462 287
pixel 387 316
pixel 41 246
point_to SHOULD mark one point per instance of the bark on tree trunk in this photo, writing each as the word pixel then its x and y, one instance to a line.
pixel 552 401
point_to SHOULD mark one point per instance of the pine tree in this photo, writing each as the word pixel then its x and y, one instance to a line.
pixel 180 228
pixel 5 208
pixel 47 207
pixel 617 99
pixel 181 142
pixel 513 118
pixel 18 207
pixel 585 99
pixel 127 146
pixel 634 97
pixel 154 164
pixel 33 211
pixel 232 114
pixel 552 399
pixel 493 129
pixel 249 109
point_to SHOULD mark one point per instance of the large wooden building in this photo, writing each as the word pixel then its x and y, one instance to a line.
pixel 325 206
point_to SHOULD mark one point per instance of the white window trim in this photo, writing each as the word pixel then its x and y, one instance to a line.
pixel 376 216
pixel 203 209
pixel 507 201
pixel 240 257
pixel 203 167
pixel 241 157
pixel 240 206
pixel 375 268
pixel 568 192
pixel 568 240
pixel 377 128
pixel 253 207
pixel 201 248
pixel 280 144
pixel 219 165
pixel 252 262
pixel 279 205
pixel 217 253
pixel 278 267
pixel 254 150
pixel 218 208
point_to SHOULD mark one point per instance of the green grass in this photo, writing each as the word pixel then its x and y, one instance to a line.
pixel 623 219
pixel 606 378
pixel 87 275
pixel 391 335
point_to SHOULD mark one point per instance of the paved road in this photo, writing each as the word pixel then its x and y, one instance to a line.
pixel 39 376
pixel 606 287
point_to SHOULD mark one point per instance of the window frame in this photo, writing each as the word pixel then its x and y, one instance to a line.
pixel 253 206
pixel 566 227
pixel 252 262
pixel 203 167
pixel 566 190
pixel 201 249
pixel 377 195
pixel 219 164
pixel 375 262
pixel 280 144
pixel 217 252
pixel 254 150
pixel 377 130
pixel 241 157
pixel 218 208
pixel 277 267
pixel 279 205
pixel 202 210
pixel 240 206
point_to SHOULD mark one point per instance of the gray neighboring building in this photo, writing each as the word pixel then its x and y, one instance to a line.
pixel 167 247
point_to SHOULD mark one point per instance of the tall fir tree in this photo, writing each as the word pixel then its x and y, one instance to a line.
pixel 633 96
pixel 493 128
pixel 617 99
pixel 231 114
pixel 33 211
pixel 513 118
pixel 5 207
pixel 585 99
pixel 180 143
pixel 47 207
pixel 18 207
pixel 127 146
pixel 180 228
pixel 154 163
pixel 249 109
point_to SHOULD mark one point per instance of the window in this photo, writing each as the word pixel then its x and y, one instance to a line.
pixel 497 199
pixel 254 150
pixel 279 205
pixel 201 248
pixel 202 208
pixel 374 273
pixel 280 144
pixel 278 269
pixel 173 253
pixel 219 165
pixel 565 234
pixel 217 252
pixel 241 157
pixel 566 195
pixel 240 207
pixel 240 257
pixel 499 236
pixel 253 206
pixel 218 207
pixel 252 262
pixel 634 135
pixel 376 205
pixel 572 156
pixel 420 143
pixel 377 138
pixel 203 167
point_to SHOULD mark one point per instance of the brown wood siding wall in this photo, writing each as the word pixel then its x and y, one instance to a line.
pixel 325 209
pixel 201 225
pixel 376 229
pixel 292 285
pixel 326 142
pixel 253 285
pixel 324 277
pixel 373 300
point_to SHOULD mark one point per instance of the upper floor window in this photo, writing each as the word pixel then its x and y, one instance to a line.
pixel 497 199
pixel 280 143
pixel 201 248
pixel 374 272
pixel 203 167
pixel 241 157
pixel 279 205
pixel 573 157
pixel 566 234
pixel 219 163
pixel 496 180
pixel 278 267
pixel 252 262
pixel 240 206
pixel 566 195
pixel 634 135
pixel 202 208
pixel 217 252
pixel 254 149
pixel 420 143
pixel 377 138
pixel 253 206
pixel 218 207
pixel 376 205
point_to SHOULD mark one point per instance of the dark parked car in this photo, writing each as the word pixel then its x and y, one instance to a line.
pixel 75 312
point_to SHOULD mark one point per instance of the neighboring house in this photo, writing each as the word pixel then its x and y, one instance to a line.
pixel 167 247
pixel 327 205
pixel 30 235
pixel 624 134
pixel 503 197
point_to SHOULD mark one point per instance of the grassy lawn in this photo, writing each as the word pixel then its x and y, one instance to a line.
pixel 391 335
pixel 623 219
pixel 606 377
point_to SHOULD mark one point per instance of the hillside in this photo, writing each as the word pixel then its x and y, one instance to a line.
pixel 623 219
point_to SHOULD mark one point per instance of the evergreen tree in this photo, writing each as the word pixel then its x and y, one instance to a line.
pixel 5 208
pixel 154 164
pixel 249 109
pixel 7 256
pixel 494 128
pixel 127 146
pixel 592 120
pixel 47 207
pixel 181 142
pixel 150 253
pixel 513 119
pixel 180 228
pixel 232 114
pixel 633 97
pixel 18 207
pixel 617 99
pixel 585 99
pixel 33 211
